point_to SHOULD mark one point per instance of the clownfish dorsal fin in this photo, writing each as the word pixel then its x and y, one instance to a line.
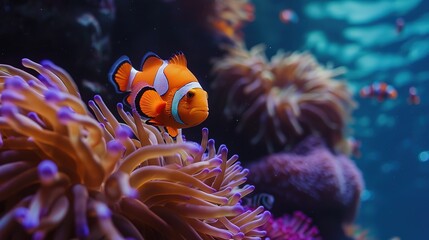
pixel 149 60
pixel 179 59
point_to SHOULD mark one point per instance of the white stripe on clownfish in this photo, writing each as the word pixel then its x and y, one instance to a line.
pixel 176 99
pixel 131 78
pixel 161 83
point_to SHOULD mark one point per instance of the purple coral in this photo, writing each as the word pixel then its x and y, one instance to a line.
pixel 314 180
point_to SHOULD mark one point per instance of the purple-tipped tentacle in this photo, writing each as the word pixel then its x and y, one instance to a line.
pixel 48 171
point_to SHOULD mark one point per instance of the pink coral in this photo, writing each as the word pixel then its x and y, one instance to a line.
pixel 291 227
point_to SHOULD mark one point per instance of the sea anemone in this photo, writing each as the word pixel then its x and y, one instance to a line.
pixel 229 17
pixel 67 172
pixel 281 101
pixel 224 19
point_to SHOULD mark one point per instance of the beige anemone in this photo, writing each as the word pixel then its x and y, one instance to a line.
pixel 282 100
pixel 228 18
pixel 68 172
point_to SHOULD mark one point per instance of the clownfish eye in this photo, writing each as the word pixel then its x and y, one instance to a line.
pixel 190 94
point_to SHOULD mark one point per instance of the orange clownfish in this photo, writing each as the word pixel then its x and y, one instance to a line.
pixel 164 91
pixel 379 90
pixel 413 97
pixel 288 16
pixel 400 23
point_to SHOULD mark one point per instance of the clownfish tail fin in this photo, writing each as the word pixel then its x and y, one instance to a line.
pixel 119 74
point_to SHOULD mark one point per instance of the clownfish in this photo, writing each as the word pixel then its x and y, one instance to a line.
pixel 288 16
pixel 164 92
pixel 400 23
pixel 259 199
pixel 413 97
pixel 381 91
pixel 354 147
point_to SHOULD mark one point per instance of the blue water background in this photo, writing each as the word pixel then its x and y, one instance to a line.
pixel 357 34
pixel 361 36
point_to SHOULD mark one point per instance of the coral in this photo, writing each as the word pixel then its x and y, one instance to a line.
pixel 229 17
pixel 224 19
pixel 291 227
pixel 281 101
pixel 67 172
pixel 311 179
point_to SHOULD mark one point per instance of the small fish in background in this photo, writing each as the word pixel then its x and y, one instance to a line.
pixel 249 8
pixel 379 90
pixel 288 16
pixel 260 199
pixel 354 146
pixel 413 97
pixel 164 92
pixel 400 23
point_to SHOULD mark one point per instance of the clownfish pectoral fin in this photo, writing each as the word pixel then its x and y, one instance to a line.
pixel 179 59
pixel 120 73
pixel 149 60
pixel 148 102
pixel 172 131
